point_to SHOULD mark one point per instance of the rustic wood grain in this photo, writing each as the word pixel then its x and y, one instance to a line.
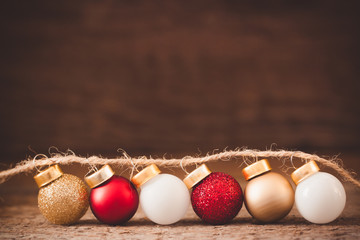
pixel 175 77
pixel 20 219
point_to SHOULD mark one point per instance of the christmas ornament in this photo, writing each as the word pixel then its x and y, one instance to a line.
pixel 113 199
pixel 63 198
pixel 319 197
pixel 216 197
pixel 164 198
pixel 268 196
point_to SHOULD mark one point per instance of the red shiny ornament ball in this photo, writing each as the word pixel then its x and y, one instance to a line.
pixel 217 199
pixel 114 201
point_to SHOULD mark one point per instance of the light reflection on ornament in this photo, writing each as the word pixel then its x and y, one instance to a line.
pixel 319 197
pixel 164 198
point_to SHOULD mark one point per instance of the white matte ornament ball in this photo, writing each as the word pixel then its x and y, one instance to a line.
pixel 320 198
pixel 164 199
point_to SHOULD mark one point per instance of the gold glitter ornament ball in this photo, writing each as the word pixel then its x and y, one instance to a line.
pixel 64 200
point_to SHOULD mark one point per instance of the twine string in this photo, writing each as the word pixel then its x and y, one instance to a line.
pixel 28 165
pixel 35 159
pixel 182 167
pixel 128 157
pixel 291 160
pixel 92 168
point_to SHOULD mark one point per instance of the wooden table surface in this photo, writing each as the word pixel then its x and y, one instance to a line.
pixel 20 219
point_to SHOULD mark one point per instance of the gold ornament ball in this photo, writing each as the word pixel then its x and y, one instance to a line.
pixel 269 197
pixel 64 200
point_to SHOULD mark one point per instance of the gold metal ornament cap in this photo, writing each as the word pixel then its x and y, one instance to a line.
pixel 145 175
pixel 196 176
pixel 256 169
pixel 304 171
pixel 48 175
pixel 100 176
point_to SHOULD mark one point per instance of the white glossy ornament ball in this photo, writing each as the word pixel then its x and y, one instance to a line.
pixel 320 198
pixel 164 199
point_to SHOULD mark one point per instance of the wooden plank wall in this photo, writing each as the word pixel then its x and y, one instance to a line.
pixel 174 77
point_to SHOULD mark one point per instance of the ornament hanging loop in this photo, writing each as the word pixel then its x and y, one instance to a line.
pixel 182 167
pixel 36 158
pixel 54 151
pixel 292 159
pixel 134 168
pixel 129 158
pixel 92 168
pixel 247 161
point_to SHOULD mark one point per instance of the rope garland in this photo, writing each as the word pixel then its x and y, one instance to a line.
pixel 29 165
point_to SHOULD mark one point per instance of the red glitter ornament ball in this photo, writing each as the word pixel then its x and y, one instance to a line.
pixel 115 201
pixel 217 199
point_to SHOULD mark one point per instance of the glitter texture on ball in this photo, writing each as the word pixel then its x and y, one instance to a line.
pixel 217 199
pixel 64 201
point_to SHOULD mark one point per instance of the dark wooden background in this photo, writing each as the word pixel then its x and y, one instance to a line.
pixel 178 77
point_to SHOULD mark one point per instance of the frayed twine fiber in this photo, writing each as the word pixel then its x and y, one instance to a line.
pixel 244 154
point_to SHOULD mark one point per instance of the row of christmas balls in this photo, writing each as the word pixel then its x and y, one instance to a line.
pixel 216 197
